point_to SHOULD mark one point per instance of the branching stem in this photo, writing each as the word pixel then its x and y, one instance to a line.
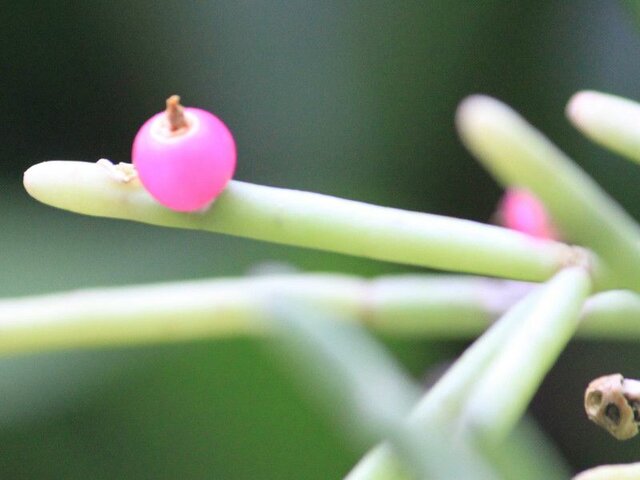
pixel 316 221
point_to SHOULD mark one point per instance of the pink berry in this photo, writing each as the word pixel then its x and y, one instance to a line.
pixel 184 157
pixel 522 211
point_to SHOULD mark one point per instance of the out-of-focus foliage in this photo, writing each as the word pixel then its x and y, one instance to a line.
pixel 354 99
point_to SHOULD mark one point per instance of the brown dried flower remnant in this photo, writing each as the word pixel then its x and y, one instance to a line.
pixel 613 402
pixel 175 114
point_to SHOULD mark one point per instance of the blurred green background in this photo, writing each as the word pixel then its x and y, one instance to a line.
pixel 354 99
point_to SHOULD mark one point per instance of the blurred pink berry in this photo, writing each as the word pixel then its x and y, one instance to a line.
pixel 184 157
pixel 522 211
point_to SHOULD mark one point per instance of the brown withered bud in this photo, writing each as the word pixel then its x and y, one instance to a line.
pixel 175 114
pixel 613 402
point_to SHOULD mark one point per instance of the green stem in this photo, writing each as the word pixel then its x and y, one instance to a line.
pixel 611 121
pixel 371 389
pixel 380 463
pixel 402 305
pixel 520 156
pixel 443 401
pixel 613 315
pixel 310 220
pixel 503 391
pixel 406 306
pixel 518 458
pixel 630 471
pixel 483 364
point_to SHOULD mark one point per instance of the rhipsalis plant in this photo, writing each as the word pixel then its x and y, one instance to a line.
pixel 560 229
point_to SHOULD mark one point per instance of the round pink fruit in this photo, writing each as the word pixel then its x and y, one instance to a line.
pixel 184 157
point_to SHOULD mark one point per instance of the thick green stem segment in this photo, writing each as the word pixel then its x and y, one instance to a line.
pixel 546 317
pixel 630 471
pixel 403 306
pixel 309 220
pixel 381 463
pixel 611 121
pixel 520 156
pixel 519 458
pixel 398 305
pixel 443 401
pixel 502 393
pixel 613 315
pixel 373 392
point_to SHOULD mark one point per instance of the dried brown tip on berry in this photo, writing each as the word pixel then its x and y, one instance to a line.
pixel 612 402
pixel 175 113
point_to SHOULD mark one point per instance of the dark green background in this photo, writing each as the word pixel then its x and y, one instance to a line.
pixel 354 99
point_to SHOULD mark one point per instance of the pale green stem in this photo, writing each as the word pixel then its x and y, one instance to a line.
pixel 517 458
pixel 340 365
pixel 310 220
pixel 503 391
pixel 446 397
pixel 612 315
pixel 630 471
pixel 443 401
pixel 611 121
pixel 401 305
pixel 380 463
pixel 407 306
pixel 520 156
pixel 545 318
